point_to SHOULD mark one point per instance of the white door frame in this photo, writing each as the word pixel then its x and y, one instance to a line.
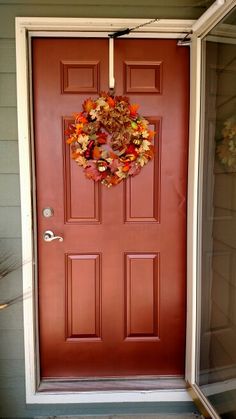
pixel 80 27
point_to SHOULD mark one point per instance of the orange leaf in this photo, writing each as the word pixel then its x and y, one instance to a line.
pixel 96 153
pixel 150 153
pixel 133 109
pixel 114 180
pixel 126 168
pixel 75 154
pixel 71 140
pixel 88 105
pixel 151 133
pixel 113 155
pixel 79 117
pixel 111 102
pixel 83 120
pixel 78 128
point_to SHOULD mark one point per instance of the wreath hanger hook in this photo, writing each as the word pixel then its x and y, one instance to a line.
pixel 112 37
pixel 111 67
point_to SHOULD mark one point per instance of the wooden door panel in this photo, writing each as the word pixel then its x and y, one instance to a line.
pixel 142 297
pixel 112 294
pixel 83 297
pixel 80 76
pixel 83 207
pixel 143 77
pixel 147 209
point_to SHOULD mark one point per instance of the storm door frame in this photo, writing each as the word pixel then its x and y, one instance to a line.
pixel 197 103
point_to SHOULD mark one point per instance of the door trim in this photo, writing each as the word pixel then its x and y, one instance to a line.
pixel 25 29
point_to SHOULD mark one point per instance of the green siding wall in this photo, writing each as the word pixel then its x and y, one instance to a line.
pixel 12 392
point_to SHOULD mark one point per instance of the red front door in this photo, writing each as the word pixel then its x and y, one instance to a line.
pixel 112 294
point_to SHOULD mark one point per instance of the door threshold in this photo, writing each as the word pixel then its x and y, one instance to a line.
pixel 108 384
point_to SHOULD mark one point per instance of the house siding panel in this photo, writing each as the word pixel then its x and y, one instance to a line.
pixel 8 130
pixel 11 344
pixel 9 190
pixel 7 89
pixel 12 318
pixel 9 161
pixel 10 225
pixel 134 9
pixel 7 54
pixel 12 385
pixel 12 287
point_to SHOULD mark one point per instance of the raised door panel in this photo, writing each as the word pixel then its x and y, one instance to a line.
pixel 81 198
pixel 80 77
pixel 143 77
pixel 83 296
pixel 146 209
pixel 142 296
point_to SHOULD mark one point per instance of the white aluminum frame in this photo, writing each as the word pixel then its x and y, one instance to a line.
pixel 197 87
pixel 80 27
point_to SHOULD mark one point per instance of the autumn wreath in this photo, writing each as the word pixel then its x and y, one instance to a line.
pixel 109 139
pixel 226 145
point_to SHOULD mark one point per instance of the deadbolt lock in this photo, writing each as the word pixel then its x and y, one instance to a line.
pixel 48 212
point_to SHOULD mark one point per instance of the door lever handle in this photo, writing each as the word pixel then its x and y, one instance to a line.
pixel 49 236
